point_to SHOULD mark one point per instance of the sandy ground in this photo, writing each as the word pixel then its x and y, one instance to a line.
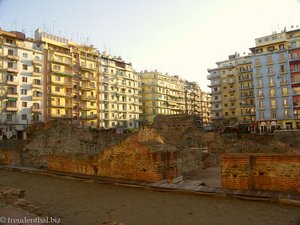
pixel 92 203
pixel 210 176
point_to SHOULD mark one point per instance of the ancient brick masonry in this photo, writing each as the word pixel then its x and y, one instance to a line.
pixel 142 157
pixel 10 157
pixel 274 172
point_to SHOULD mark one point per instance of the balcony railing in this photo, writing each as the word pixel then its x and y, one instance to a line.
pixel 13 57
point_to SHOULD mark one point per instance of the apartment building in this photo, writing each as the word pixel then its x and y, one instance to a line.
pixel 246 99
pixel 192 98
pixel 224 90
pixel 161 94
pixel 119 94
pixel 21 84
pixel 85 86
pixel 205 108
pixel 294 64
pixel 272 82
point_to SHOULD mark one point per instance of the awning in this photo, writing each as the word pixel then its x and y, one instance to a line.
pixel 12 99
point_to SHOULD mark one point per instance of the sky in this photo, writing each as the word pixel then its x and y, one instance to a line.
pixel 178 37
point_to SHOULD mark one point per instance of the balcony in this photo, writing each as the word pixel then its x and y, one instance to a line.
pixel 12 70
pixel 61 62
pixel 11 108
pixel 36 98
pixel 61 116
pixel 85 68
pixel 231 90
pixel 296 92
pixel 216 100
pixel 62 73
pixel 13 57
pixel 88 117
pixel 296 103
pixel 86 107
pixel 232 99
pixel 37 86
pixel 246 105
pixel 12 82
pixel 232 108
pixel 214 85
pixel 209 77
pixel 66 84
pixel 62 94
pixel 37 74
pixel 88 98
pixel 12 95
pixel 295 81
pixel 87 87
pixel 36 110
pixel 37 62
pixel 61 105
pixel 294 59
pixel 246 88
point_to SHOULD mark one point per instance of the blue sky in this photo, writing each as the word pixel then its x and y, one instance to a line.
pixel 181 37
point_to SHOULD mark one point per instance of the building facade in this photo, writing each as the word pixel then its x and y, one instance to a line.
pixel 119 94
pixel 21 69
pixel 205 108
pixel 246 99
pixel 272 83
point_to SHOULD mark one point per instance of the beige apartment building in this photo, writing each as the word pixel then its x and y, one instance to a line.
pixel 232 92
pixel 119 94
pixel 161 94
pixel 21 84
pixel 205 108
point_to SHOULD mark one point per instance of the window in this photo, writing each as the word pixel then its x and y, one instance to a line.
pixel 24 116
pixel 282 68
pixel 261 115
pixel 273 103
pixel 258 72
pixel 217 114
pixel 285 102
pixel 270 70
pixel 9 117
pixel 261 104
pixel 225 105
pixel 226 113
pixel 284 91
pixel 25 55
pixel 294 55
pixel 272 92
pixel 23 92
pixel 286 113
pixel 10 52
pixel 269 59
pixel 259 83
pixel 57 89
pixel 283 80
pixel 271 81
pixel 217 105
pixel 25 67
pixel 24 104
pixel 9 41
pixel 24 79
pixel 57 78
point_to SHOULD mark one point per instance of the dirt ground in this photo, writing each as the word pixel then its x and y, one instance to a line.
pixel 210 176
pixel 91 203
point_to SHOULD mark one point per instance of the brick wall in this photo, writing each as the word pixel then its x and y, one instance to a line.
pixel 10 157
pixel 142 157
pixel 274 172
